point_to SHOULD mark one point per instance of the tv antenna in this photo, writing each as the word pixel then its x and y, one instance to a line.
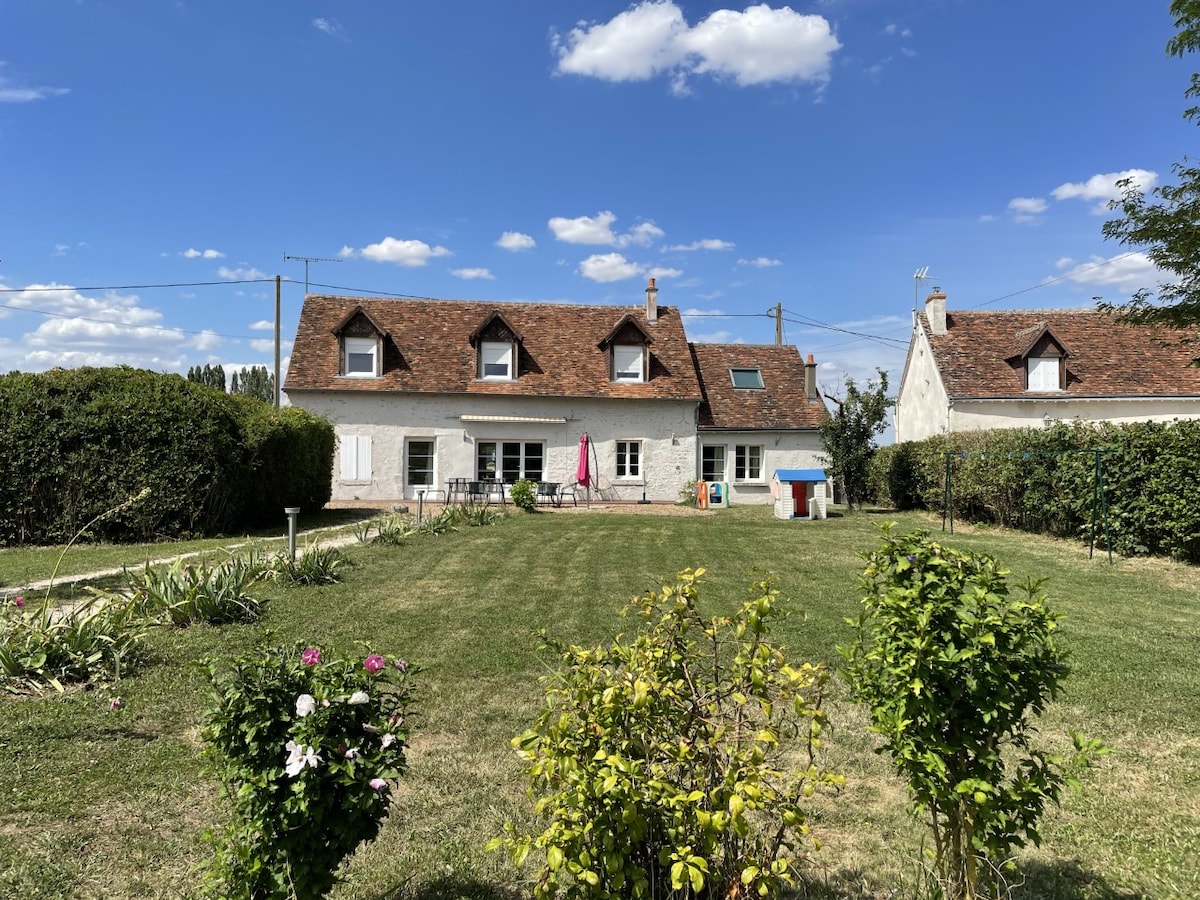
pixel 920 275
pixel 307 260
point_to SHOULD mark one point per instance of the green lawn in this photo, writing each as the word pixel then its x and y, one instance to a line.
pixel 96 803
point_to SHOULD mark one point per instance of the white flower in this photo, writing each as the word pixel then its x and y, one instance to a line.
pixel 306 705
pixel 370 729
pixel 358 697
pixel 299 757
pixel 387 740
pixel 353 753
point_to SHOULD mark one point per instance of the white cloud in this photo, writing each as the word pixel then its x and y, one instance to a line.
pixel 585 229
pixel 12 93
pixel 61 249
pixel 206 340
pixel 1103 188
pixel 898 31
pixel 403 253
pixel 515 240
pixel 758 46
pixel 1026 209
pixel 606 267
pixel 1125 272
pixel 471 274
pixel 597 230
pixel 193 253
pixel 704 244
pixel 760 262
pixel 331 27
pixel 663 272
pixel 987 217
pixel 241 273
pixel 262 325
pixel 715 337
pixel 263 345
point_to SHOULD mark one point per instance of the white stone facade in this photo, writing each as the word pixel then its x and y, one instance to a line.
pixel 664 431
pixel 780 450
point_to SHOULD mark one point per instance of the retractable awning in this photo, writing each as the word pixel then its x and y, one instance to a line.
pixel 517 420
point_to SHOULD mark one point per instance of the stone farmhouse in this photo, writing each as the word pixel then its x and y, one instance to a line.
pixel 427 394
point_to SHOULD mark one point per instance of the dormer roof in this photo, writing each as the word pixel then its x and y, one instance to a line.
pixel 356 323
pixel 626 331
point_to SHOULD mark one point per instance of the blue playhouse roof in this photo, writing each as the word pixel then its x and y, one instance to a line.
pixel 800 474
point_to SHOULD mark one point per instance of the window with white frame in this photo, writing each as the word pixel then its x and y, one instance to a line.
pixel 509 461
pixel 712 462
pixel 747 462
pixel 629 362
pixel 419 454
pixel 360 356
pixel 496 361
pixel 1044 374
pixel 629 459
pixel 355 457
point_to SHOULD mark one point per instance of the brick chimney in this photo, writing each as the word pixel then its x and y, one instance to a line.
pixel 935 311
pixel 810 379
pixel 651 302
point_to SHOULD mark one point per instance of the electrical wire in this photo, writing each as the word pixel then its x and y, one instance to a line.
pixel 134 287
pixel 1064 277
pixel 816 323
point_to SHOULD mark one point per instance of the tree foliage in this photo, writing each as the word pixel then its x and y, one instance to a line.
pixel 255 382
pixel 209 376
pixel 1167 222
pixel 848 435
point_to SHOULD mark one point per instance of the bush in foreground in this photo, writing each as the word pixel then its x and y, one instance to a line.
pixel 307 748
pixel 676 764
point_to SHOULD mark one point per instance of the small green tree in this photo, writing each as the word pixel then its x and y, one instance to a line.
pixel 209 376
pixel 848 436
pixel 676 764
pixel 954 669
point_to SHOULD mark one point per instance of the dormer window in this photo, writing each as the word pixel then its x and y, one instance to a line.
pixel 1044 373
pixel 360 357
pixel 750 379
pixel 629 362
pixel 496 360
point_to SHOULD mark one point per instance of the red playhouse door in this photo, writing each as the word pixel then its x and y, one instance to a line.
pixel 800 499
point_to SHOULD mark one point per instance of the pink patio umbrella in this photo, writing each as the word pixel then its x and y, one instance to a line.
pixel 583 474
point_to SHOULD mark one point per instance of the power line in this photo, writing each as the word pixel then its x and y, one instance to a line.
pixel 127 325
pixel 815 323
pixel 133 287
pixel 1064 277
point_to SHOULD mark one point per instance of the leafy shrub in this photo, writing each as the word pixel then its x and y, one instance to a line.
pixel 524 494
pixel 675 764
pixel 953 670
pixel 394 530
pixel 187 593
pixel 307 748
pixel 316 565
pixel 470 514
pixel 687 494
pixel 47 647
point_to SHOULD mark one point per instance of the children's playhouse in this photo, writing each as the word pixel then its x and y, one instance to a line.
pixel 799 493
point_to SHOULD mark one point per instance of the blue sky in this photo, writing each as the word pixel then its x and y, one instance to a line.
pixel 815 156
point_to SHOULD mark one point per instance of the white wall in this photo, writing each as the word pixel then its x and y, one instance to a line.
pixel 666 428
pixel 979 415
pixel 781 450
pixel 921 402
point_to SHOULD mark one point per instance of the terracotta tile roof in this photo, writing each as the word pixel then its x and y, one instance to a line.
pixel 781 404
pixel 429 349
pixel 1106 359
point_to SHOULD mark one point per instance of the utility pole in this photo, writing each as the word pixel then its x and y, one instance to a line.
pixel 278 387
pixel 778 324
pixel 307 260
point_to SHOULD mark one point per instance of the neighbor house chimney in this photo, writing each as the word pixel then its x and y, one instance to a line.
pixel 935 311
pixel 810 378
pixel 651 302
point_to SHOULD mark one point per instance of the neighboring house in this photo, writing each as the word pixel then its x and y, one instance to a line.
pixel 970 371
pixel 424 391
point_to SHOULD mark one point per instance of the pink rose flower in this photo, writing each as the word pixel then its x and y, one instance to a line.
pixel 374 662
pixel 311 656
pixel 378 784
pixel 401 665
pixel 20 602
pixel 115 703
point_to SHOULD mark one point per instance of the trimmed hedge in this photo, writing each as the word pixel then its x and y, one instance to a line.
pixel 1024 478
pixel 74 444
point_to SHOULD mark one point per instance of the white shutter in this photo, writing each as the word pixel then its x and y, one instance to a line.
pixel 1043 373
pixel 356 457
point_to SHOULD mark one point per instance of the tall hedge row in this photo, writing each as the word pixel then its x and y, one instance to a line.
pixel 1025 478
pixel 75 444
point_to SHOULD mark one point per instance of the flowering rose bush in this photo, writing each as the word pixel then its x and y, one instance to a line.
pixel 308 746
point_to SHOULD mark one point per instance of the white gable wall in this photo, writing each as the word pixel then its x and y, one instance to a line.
pixel 922 407
pixel 980 415
pixel 666 429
